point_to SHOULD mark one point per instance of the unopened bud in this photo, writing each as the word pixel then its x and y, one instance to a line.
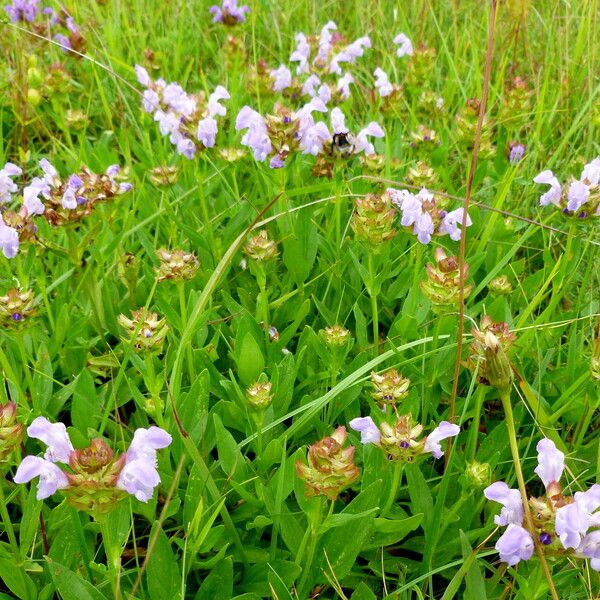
pixel 145 330
pixel 259 395
pixel 176 264
pixel 500 286
pixel 335 336
pixel 374 218
pixel 390 387
pixel 11 432
pixel 163 175
pixel 261 248
pixel 16 307
pixel 479 475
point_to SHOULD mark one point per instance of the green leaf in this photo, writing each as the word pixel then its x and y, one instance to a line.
pixel 363 592
pixel 85 407
pixel 162 574
pixel 231 459
pixel 219 583
pixel 70 585
pixel 250 360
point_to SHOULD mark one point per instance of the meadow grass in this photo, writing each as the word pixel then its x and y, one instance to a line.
pixel 231 518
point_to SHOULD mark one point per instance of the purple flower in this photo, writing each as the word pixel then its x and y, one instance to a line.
pixel 51 477
pixel 64 42
pixel 324 93
pixel 309 87
pixel 31 201
pixel 553 195
pixel 23 10
pixel 50 172
pixel 373 129
pixel 413 213
pixel 451 221
pixel 338 121
pixel 150 101
pixel 516 154
pixel 71 25
pixel 369 432
pixel 142 75
pixel 591 172
pixel 551 462
pixel 139 476
pixel 7 185
pixel 256 136
pixel 282 78
pixel 229 12
pixel 405 47
pixel 514 545
pixel 313 138
pixel 343 85
pixel 382 83
pixel 577 195
pixel 214 106
pixel 590 548
pixel 52 16
pixel 325 41
pixel 349 54
pixel 512 504
pixel 207 132
pixel 301 53
pixel 176 98
pixel 9 240
pixel 276 162
pixel 55 436
pixel 571 524
pixel 443 431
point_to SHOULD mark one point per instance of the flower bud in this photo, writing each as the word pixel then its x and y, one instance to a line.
pixel 163 175
pixel 373 219
pixel 11 432
pixel 231 154
pixel 176 264
pixel 330 467
pixel 16 307
pixel 479 475
pixel 390 387
pixel 422 175
pixel 261 248
pixel 259 395
pixel 444 281
pixel 144 330
pixel 500 286
pixel 335 336
pixel 76 119
pixel 34 97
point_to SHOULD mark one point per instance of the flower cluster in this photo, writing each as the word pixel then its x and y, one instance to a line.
pixel 389 387
pixel 373 219
pixel 144 330
pixel 426 214
pixel 59 200
pixel 330 466
pixel 188 119
pixel 46 20
pixel 562 524
pixel 11 431
pixel 229 13
pixel 399 441
pixel 176 265
pixel 16 306
pixel 319 73
pixel 581 198
pixel 93 479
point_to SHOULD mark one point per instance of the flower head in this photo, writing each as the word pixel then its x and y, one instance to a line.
pixel 514 545
pixel 55 436
pixel 443 431
pixel 52 478
pixel 405 47
pixel 229 13
pixel 512 504
pixel 551 464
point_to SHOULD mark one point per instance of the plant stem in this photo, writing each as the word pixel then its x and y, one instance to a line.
pixel 315 525
pixel 374 308
pixel 8 526
pixel 396 479
pixel 183 312
pixel 113 560
pixel 514 448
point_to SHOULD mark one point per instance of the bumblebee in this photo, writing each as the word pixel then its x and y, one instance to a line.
pixel 342 144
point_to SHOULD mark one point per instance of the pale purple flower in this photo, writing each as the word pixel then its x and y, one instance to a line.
pixel 23 10
pixel 51 477
pixel 591 172
pixel 413 213
pixel 304 114
pixel 207 132
pixel 31 196
pixel 150 101
pixel 168 122
pixel 571 524
pixel 443 431
pixel 324 93
pixel 553 195
pixel 71 25
pixel 229 11
pixel 176 98
pixel 50 172
pixel 69 199
pixel 185 146
pixel 451 221
pixel 142 75
pixel 214 107
pixel 349 54
pixel 516 154
pixel 369 432
pixel 55 436
pixel 64 42
pixel 343 85
pixel 9 240
pixel 301 53
pixel 338 121
pixel 382 83
pixel 276 162
pixel 325 41
pixel 551 462
pixel 282 78
pixel 52 16
pixel 512 504
pixel 309 87
pixel 7 185
pixel 577 195
pixel 139 476
pixel 405 47
pixel 256 136
pixel 514 545
pixel 314 137
pixel 362 144
pixel 590 548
